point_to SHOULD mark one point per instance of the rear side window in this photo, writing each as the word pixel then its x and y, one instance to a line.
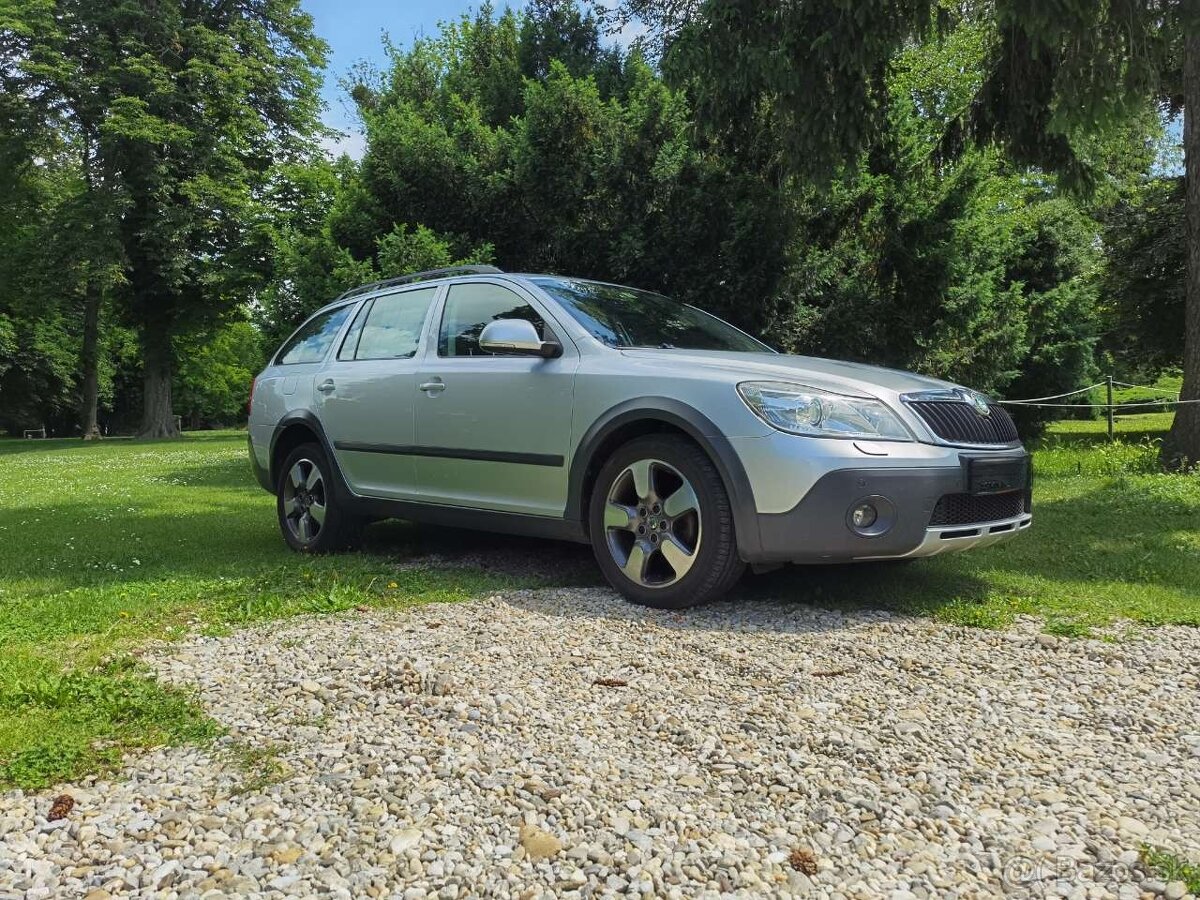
pixel 312 341
pixel 390 328
pixel 470 307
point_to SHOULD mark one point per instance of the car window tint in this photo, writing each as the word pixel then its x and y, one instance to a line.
pixel 470 307
pixel 310 343
pixel 392 326
pixel 353 333
pixel 626 317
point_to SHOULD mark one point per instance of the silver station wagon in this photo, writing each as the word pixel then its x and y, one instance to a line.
pixel 680 447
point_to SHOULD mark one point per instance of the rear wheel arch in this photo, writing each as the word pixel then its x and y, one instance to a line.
pixel 313 517
pixel 295 430
pixel 657 415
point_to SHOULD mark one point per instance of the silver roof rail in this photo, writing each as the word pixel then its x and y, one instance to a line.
pixel 419 276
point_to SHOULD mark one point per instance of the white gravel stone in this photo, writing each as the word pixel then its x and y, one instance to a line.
pixel 562 743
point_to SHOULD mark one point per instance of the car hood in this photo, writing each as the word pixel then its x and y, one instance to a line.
pixel 854 379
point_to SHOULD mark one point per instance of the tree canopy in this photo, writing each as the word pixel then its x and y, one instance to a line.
pixel 178 113
pixel 905 184
pixel 1053 83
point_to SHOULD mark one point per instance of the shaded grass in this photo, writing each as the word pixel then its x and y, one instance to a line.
pixel 1140 429
pixel 1166 387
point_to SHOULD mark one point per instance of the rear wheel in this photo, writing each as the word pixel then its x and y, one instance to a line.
pixel 661 524
pixel 310 517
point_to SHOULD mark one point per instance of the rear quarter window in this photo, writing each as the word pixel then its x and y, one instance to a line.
pixel 315 337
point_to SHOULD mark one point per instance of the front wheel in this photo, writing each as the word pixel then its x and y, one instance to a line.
pixel 661 524
pixel 309 515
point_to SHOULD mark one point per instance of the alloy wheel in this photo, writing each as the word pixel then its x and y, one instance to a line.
pixel 304 500
pixel 652 523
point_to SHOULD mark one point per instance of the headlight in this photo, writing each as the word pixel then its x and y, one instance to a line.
pixel 797 409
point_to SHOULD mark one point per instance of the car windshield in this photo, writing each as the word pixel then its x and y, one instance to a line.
pixel 626 317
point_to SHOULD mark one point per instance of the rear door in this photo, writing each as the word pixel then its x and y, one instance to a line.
pixel 366 393
pixel 493 432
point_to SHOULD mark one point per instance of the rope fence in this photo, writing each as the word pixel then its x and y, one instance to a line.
pixel 1143 387
pixel 1034 400
pixel 1110 406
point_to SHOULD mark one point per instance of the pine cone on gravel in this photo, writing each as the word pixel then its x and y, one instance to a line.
pixel 62 805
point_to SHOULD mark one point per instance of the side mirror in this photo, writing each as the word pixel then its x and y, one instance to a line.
pixel 516 337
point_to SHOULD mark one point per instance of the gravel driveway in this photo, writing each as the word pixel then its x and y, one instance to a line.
pixel 563 743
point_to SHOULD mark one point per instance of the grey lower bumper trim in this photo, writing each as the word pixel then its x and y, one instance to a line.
pixel 816 531
pixel 964 537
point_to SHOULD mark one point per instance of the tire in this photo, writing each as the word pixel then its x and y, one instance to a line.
pixel 310 516
pixel 657 542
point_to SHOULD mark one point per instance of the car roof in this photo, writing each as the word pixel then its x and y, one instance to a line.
pixel 454 273
pixel 437 276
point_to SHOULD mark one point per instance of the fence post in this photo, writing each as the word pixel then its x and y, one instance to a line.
pixel 1111 438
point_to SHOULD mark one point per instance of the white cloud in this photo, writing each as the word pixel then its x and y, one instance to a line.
pixel 353 143
pixel 629 31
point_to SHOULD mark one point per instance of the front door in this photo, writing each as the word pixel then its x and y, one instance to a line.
pixel 493 432
pixel 367 393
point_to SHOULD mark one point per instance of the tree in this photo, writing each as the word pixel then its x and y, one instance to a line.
pixel 308 267
pixel 215 371
pixel 43 277
pixel 585 166
pixel 183 108
pixel 817 71
pixel 557 31
pixel 72 251
pixel 968 270
pixel 1145 277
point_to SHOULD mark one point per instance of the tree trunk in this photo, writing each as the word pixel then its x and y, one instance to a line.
pixel 89 361
pixel 1181 449
pixel 158 418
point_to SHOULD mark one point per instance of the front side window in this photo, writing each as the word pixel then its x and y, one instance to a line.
pixel 312 341
pixel 390 328
pixel 626 317
pixel 469 309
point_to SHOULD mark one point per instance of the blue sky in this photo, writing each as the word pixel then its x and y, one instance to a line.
pixel 354 30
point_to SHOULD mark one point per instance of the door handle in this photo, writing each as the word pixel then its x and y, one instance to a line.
pixel 326 386
pixel 433 387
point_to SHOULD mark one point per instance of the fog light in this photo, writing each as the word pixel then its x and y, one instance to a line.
pixel 863 516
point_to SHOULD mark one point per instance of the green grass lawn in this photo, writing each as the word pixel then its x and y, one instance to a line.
pixel 112 544
pixel 107 545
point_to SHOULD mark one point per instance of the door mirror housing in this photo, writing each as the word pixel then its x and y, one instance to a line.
pixel 516 337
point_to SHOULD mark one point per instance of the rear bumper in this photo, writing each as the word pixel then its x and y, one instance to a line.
pixel 261 475
pixel 817 529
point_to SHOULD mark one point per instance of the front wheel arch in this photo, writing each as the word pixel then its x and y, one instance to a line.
pixel 700 531
pixel 651 415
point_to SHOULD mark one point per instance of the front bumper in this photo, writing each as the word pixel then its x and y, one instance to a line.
pixel 954 539
pixel 817 529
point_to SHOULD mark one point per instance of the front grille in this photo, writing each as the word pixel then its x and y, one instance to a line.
pixel 969 509
pixel 958 422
